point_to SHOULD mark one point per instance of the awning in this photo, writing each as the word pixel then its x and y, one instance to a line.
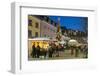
pixel 40 39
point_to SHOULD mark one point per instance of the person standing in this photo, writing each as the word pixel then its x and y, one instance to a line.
pixel 86 51
pixel 33 51
pixel 38 51
pixel 72 50
pixel 50 51
pixel 76 51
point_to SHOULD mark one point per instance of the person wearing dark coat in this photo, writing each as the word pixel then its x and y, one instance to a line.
pixel 72 50
pixel 86 52
pixel 76 51
pixel 50 51
pixel 38 51
pixel 33 51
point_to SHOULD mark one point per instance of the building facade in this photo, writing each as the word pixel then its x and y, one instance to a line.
pixel 33 27
pixel 41 26
pixel 48 30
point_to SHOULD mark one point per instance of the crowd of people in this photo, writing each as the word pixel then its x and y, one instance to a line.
pixel 53 50
pixel 76 50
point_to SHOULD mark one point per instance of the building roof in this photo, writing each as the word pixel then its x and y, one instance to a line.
pixel 46 19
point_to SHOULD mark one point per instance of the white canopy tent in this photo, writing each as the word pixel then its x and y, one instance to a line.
pixel 73 42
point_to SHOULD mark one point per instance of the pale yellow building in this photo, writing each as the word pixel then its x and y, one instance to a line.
pixel 33 27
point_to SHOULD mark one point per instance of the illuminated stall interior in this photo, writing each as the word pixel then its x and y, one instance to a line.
pixel 43 43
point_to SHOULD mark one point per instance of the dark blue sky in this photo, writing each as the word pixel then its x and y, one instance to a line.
pixel 71 22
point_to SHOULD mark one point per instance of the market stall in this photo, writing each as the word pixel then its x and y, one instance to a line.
pixel 42 42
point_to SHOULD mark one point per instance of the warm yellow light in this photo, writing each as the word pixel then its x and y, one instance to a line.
pixel 42 44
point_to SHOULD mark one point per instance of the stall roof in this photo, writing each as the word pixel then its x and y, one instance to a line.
pixel 40 38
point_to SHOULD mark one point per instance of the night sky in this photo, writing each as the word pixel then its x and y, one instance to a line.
pixel 72 22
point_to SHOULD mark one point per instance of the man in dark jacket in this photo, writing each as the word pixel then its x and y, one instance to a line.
pixel 33 51
pixel 38 51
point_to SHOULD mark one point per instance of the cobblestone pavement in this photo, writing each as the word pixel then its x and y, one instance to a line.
pixel 63 55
